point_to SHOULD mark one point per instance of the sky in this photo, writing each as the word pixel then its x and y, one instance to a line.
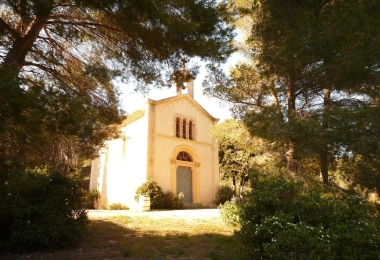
pixel 132 101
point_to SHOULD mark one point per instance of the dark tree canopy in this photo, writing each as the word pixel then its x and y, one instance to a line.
pixel 309 65
pixel 80 48
pixel 85 44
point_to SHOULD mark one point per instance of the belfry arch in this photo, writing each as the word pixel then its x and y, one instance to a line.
pixel 180 161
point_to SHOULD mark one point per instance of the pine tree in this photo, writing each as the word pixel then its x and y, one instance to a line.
pixel 309 63
pixel 73 52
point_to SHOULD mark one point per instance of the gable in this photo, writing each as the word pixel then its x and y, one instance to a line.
pixel 186 101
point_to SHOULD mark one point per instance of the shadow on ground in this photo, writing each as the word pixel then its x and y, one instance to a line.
pixel 144 238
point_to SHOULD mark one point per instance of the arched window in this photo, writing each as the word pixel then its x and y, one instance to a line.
pixel 178 127
pixel 191 135
pixel 184 128
pixel 184 156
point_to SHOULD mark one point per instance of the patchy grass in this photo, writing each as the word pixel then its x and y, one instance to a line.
pixel 150 238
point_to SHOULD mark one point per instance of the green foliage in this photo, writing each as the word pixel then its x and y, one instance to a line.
pixel 168 200
pixel 224 193
pixel 92 199
pixel 158 198
pixel 150 188
pixel 299 87
pixel 239 153
pixel 230 213
pixel 41 210
pixel 129 40
pixel 126 251
pixel 118 206
pixel 287 220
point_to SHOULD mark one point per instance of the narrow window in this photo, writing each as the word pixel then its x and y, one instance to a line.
pixel 191 130
pixel 178 127
pixel 184 156
pixel 194 132
pixel 184 129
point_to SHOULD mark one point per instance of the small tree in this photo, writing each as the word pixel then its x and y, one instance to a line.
pixel 239 153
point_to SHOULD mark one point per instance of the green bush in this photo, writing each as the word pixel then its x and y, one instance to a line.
pixel 152 189
pixel 43 211
pixel 283 219
pixel 92 199
pixel 224 194
pixel 118 206
pixel 168 200
pixel 158 198
pixel 230 213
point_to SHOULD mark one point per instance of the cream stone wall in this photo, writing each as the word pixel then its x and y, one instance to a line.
pixel 149 150
pixel 203 149
pixel 122 166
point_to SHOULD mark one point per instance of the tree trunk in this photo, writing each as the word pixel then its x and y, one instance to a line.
pixel 233 186
pixel 243 181
pixel 323 154
pixel 292 163
pixel 324 164
pixel 15 58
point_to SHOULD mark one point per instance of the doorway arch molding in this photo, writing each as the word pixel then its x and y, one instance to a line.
pixel 194 166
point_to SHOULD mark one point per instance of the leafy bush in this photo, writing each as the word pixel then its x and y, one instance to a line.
pixel 224 194
pixel 168 200
pixel 118 206
pixel 158 198
pixel 152 189
pixel 43 211
pixel 230 213
pixel 286 220
pixel 92 199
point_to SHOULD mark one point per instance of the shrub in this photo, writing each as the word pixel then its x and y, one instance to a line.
pixel 286 220
pixel 168 200
pixel 230 213
pixel 158 198
pixel 92 199
pixel 118 206
pixel 45 212
pixel 126 251
pixel 152 189
pixel 224 194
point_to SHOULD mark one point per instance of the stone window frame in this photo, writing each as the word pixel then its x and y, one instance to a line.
pixel 184 156
pixel 185 127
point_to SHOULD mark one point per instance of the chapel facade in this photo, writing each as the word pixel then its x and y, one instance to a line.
pixel 167 140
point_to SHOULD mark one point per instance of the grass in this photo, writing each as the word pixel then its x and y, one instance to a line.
pixel 125 237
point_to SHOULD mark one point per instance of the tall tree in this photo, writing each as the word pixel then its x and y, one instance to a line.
pixel 51 50
pixel 309 63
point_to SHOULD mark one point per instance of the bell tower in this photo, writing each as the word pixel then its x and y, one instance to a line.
pixel 183 79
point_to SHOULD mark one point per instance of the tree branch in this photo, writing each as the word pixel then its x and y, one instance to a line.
pixel 8 28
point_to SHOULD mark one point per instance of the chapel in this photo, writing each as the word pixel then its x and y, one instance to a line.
pixel 167 140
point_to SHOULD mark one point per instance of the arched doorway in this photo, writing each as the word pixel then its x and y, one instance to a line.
pixel 185 183
pixel 184 177
pixel 185 173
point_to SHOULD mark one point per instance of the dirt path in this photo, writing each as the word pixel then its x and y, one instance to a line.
pixel 190 213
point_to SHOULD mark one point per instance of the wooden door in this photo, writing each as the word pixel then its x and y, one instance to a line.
pixel 184 183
